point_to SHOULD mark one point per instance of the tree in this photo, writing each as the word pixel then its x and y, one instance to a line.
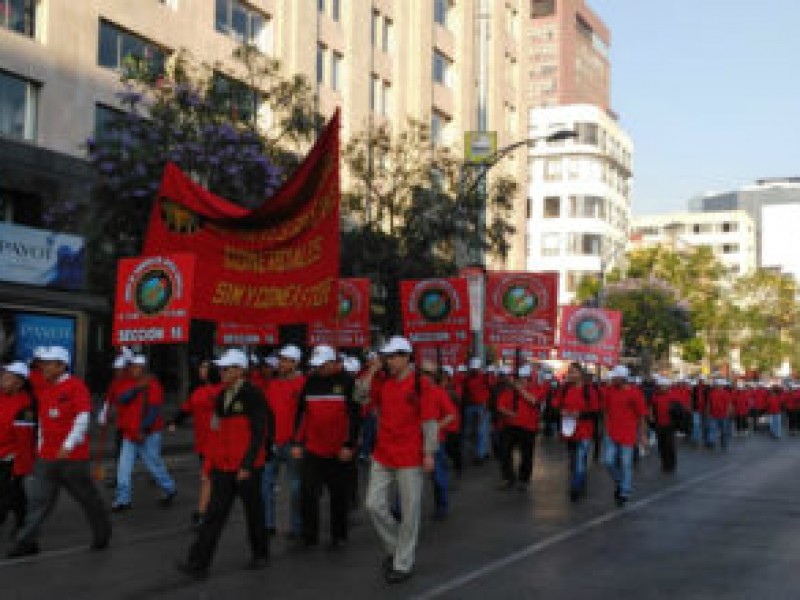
pixel 204 118
pixel 411 211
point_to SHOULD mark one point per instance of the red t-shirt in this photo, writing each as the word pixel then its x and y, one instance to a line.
pixel 17 426
pixel 282 397
pixel 624 407
pixel 662 401
pixel 59 406
pixel 527 415
pixel 774 403
pixel 401 413
pixel 719 403
pixel 477 389
pixel 200 405
pixel 445 407
pixel 573 400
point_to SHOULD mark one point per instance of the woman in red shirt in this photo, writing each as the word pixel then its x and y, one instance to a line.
pixel 579 403
pixel 17 425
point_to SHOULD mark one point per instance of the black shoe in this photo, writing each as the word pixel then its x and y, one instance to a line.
pixel 575 495
pixel 167 499
pixel 121 507
pixel 271 531
pixel 617 493
pixel 395 576
pixel 257 563
pixel 622 501
pixel 100 544
pixel 387 564
pixel 193 571
pixel 23 549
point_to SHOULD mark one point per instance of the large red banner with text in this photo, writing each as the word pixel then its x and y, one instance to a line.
pixel 590 335
pixel 350 326
pixel 521 313
pixel 436 319
pixel 277 263
pixel 237 334
pixel 154 299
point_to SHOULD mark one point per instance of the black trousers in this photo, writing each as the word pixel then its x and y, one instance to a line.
pixel 524 441
pixel 332 473
pixel 666 447
pixel 454 450
pixel 224 490
pixel 12 494
pixel 793 417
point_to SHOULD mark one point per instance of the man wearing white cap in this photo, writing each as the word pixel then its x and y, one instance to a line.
pixel 63 409
pixel 406 444
pixel 325 438
pixel 141 423
pixel 283 392
pixel 625 415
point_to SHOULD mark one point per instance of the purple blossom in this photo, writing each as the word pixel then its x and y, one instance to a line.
pixel 106 167
pixel 129 97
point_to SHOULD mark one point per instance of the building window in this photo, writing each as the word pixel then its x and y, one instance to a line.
pixel 19 16
pixel 588 133
pixel 700 228
pixel 336 71
pixel 585 244
pixel 551 244
pixel 117 46
pixel 528 208
pixel 321 6
pixel 104 118
pixel 19 102
pixel 441 12
pixel 386 38
pixel 552 207
pixel 542 8
pixel 242 101
pixel 730 227
pixel 552 169
pixel 321 51
pixel 336 10
pixel 173 4
pixel 243 24
pixel 374 27
pixel 441 68
pixel 386 98
pixel 587 207
pixel 730 248
pixel 439 123
pixel 374 83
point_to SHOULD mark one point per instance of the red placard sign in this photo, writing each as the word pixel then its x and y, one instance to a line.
pixel 238 334
pixel 590 335
pixel 350 328
pixel 436 319
pixel 521 313
pixel 154 299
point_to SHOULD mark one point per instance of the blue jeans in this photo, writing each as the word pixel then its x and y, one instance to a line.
pixel 619 462
pixel 721 426
pixel 441 481
pixel 283 454
pixel 478 413
pixel 580 465
pixel 775 425
pixel 697 429
pixel 149 451
pixel 369 428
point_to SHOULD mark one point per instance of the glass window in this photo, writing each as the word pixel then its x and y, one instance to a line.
pixel 552 207
pixel 587 207
pixel 321 63
pixel 238 98
pixel 116 46
pixel 336 71
pixel 542 8
pixel 588 133
pixel 730 227
pixel 439 123
pixel 321 6
pixel 373 93
pixel 386 98
pixel 19 16
pixel 336 10
pixel 387 35
pixel 242 23
pixel 104 118
pixel 551 244
pixel 585 244
pixel 441 68
pixel 552 169
pixel 441 8
pixel 374 27
pixel 19 100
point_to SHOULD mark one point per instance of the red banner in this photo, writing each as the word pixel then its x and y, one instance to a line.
pixel 236 334
pixel 590 335
pixel 436 319
pixel 521 313
pixel 277 263
pixel 350 327
pixel 154 299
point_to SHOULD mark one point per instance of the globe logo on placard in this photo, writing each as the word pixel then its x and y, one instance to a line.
pixel 519 300
pixel 153 292
pixel 345 304
pixel 590 330
pixel 434 304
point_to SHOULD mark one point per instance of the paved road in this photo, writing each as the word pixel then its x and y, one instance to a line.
pixel 725 526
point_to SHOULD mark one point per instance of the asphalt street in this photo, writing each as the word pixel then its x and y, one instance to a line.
pixel 725 526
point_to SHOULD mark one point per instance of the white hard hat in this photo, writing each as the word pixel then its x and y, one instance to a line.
pixel 291 352
pixel 18 368
pixel 397 344
pixel 321 355
pixel 232 358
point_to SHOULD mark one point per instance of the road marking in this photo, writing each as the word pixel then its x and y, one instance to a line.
pixel 501 563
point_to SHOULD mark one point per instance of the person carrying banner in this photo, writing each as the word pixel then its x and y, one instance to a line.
pixel 625 413
pixel 17 440
pixel 405 448
pixel 325 438
pixel 63 451
pixel 240 434
pixel 283 392
pixel 141 423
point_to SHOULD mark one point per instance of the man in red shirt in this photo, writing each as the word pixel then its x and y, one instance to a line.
pixel 283 393
pixel 141 423
pixel 720 410
pixel 64 406
pixel 447 416
pixel 519 404
pixel 625 413
pixel 477 420
pixel 666 404
pixel 406 444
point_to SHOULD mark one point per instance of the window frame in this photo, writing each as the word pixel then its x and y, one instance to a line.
pixel 30 109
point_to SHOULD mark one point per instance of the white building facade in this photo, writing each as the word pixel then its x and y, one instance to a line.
pixel 579 194
pixel 730 234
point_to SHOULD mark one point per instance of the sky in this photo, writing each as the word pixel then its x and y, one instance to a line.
pixel 709 90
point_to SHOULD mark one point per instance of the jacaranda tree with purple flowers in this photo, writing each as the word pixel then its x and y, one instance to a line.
pixel 237 131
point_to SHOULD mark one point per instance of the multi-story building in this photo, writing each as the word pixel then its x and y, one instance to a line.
pixel 774 206
pixel 730 234
pixel 579 196
pixel 453 64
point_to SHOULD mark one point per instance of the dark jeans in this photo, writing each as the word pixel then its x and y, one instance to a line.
pixel 524 441
pixel 335 476
pixel 12 494
pixel 793 417
pixel 666 447
pixel 224 489
pixel 49 476
pixel 453 445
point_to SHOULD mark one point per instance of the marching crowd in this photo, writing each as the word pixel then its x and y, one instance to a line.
pixel 254 416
